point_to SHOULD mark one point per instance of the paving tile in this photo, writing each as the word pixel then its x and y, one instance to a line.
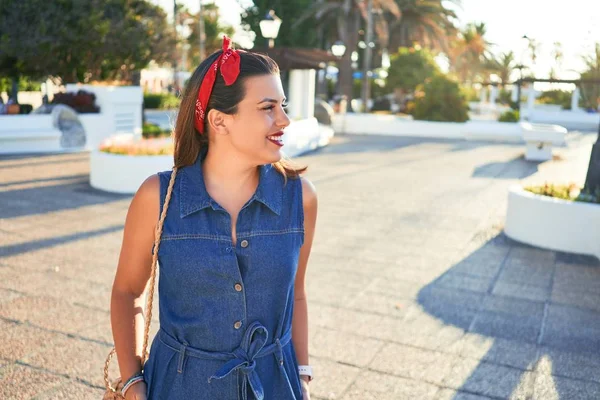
pixel 490 380
pixel 549 387
pixel 373 386
pixel 413 363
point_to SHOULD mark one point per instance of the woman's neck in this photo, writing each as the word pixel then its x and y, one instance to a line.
pixel 229 173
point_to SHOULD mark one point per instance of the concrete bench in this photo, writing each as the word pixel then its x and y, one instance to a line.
pixel 540 138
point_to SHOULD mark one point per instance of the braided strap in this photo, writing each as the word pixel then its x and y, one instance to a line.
pixel 113 390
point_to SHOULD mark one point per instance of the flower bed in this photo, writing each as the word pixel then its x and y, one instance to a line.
pixel 554 217
pixel 121 164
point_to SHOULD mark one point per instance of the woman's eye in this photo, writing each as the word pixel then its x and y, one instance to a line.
pixel 269 108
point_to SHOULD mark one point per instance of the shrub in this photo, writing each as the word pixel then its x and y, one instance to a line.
pixel 509 116
pixel 570 192
pixel 381 104
pixel 560 97
pixel 150 130
pixel 161 101
pixel 144 147
pixel 25 108
pixel 410 67
pixel 83 102
pixel 441 100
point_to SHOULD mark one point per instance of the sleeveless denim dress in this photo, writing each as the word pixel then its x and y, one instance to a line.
pixel 225 310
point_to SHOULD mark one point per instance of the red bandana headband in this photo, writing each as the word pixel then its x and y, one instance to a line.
pixel 229 65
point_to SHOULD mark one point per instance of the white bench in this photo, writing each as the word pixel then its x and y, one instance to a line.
pixel 28 134
pixel 540 138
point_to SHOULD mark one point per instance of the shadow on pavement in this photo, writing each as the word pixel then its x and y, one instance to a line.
pixel 517 168
pixel 531 318
pixel 11 250
pixel 44 199
pixel 33 181
pixel 27 160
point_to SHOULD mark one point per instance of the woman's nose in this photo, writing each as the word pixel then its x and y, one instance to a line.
pixel 283 119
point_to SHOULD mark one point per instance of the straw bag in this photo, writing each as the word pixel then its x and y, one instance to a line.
pixel 113 391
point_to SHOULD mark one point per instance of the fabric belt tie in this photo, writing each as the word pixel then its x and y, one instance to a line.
pixel 243 358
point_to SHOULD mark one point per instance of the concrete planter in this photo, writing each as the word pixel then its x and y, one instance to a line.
pixel 553 224
pixel 305 135
pixel 124 174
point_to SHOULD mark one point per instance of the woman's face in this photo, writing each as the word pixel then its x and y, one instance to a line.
pixel 256 129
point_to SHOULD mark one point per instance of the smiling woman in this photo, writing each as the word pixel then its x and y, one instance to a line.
pixel 232 228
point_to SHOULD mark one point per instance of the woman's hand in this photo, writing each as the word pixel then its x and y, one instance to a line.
pixel 136 392
pixel 305 390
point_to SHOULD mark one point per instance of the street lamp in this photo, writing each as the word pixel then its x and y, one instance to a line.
pixel 269 27
pixel 338 48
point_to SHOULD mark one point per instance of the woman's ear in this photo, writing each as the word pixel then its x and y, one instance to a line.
pixel 217 121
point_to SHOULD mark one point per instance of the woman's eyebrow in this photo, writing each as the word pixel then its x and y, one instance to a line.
pixel 270 100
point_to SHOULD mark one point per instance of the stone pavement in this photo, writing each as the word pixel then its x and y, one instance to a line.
pixel 414 292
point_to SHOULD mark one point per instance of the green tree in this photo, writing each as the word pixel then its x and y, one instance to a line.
pixel 590 92
pixel 81 40
pixel 442 100
pixel 344 19
pixel 410 67
pixel 290 35
pixel 213 33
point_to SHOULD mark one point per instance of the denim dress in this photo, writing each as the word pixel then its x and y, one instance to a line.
pixel 226 311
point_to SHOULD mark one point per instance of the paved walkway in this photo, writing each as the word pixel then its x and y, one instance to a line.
pixel 414 292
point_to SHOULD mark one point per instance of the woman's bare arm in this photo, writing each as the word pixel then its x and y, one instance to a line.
pixel 133 272
pixel 300 317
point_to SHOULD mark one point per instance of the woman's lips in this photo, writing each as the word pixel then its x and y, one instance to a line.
pixel 276 138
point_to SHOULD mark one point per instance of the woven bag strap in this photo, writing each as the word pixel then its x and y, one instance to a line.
pixel 112 391
pixel 157 237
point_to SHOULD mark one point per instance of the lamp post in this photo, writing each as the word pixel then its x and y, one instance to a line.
pixel 269 27
pixel 175 89
pixel 338 49
pixel 367 61
pixel 201 33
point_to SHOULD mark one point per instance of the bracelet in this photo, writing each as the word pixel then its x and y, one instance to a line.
pixel 132 381
pixel 306 370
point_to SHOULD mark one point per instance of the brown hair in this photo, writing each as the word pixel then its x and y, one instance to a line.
pixel 188 141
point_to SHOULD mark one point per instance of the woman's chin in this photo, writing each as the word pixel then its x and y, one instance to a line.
pixel 275 156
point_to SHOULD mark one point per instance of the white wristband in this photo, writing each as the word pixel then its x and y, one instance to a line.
pixel 306 370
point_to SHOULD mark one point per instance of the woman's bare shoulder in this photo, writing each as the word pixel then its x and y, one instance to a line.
pixel 309 193
pixel 146 199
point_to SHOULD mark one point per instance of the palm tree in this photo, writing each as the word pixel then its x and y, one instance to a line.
pixel 470 52
pixel 558 55
pixel 346 16
pixel 427 22
pixel 503 66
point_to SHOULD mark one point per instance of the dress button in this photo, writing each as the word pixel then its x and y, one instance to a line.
pixel 244 243
pixel 238 287
pixel 237 325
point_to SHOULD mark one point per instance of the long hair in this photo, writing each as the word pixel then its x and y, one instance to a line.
pixel 188 141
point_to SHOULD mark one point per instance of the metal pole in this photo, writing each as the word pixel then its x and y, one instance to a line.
pixel 367 60
pixel 176 40
pixel 201 34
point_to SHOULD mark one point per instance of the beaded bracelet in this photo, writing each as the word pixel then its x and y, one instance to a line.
pixel 132 381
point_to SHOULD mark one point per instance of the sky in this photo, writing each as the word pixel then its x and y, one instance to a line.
pixel 575 24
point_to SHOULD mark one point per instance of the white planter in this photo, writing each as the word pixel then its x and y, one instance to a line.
pixel 572 120
pixel 377 124
pixel 305 135
pixel 28 134
pixel 553 224
pixel 120 112
pixel 124 174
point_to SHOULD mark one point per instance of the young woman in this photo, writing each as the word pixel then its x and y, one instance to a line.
pixel 234 248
